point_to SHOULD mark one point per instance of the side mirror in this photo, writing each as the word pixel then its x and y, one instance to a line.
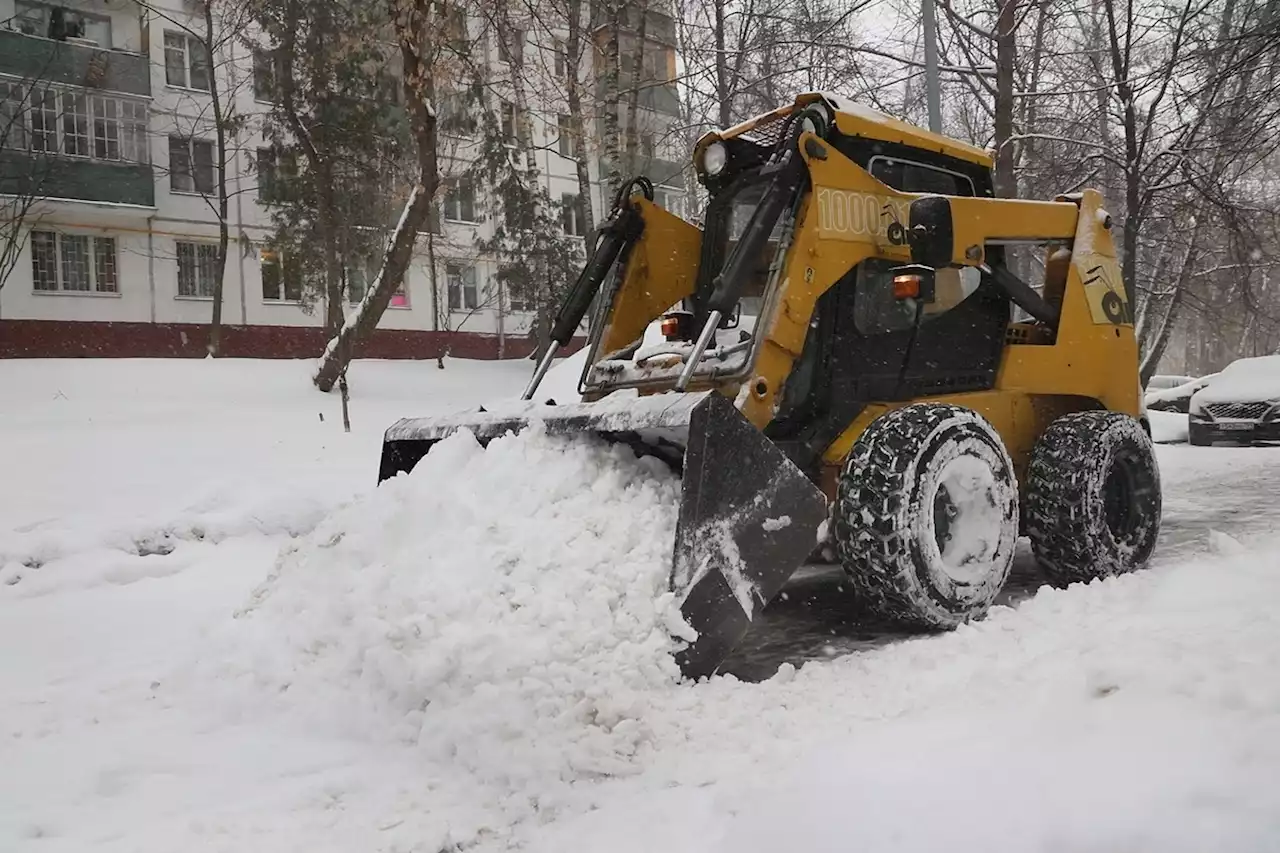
pixel 931 233
pixel 915 281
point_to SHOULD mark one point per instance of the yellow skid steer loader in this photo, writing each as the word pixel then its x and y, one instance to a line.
pixel 849 361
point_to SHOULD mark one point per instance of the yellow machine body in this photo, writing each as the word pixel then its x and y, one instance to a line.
pixel 1090 363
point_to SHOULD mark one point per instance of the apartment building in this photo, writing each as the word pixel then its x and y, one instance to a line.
pixel 119 249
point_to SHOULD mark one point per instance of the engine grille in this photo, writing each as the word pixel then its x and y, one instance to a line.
pixel 1243 411
pixel 767 132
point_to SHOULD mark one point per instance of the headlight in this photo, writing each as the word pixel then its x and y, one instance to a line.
pixel 714 158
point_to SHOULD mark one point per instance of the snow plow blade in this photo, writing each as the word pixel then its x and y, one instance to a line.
pixel 748 516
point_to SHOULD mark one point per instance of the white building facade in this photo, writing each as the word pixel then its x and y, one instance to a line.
pixel 125 230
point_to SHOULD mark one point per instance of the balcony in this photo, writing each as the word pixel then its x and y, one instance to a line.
pixel 664 173
pixel 74 64
pixel 77 179
pixel 655 97
pixel 659 26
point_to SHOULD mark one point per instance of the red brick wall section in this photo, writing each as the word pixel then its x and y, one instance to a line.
pixel 71 339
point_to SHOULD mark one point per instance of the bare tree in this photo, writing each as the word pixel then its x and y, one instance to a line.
pixel 211 35
pixel 417 27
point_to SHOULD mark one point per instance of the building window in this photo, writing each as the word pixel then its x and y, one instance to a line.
pixel 460 200
pixel 104 265
pixel 75 124
pixel 561 58
pixel 186 63
pixel 52 121
pixel 455 116
pixel 44 260
pixel 190 165
pixel 73 258
pixel 518 300
pixel 281 282
pixel 13 109
pixel 646 146
pixel 44 120
pixel 62 262
pixel 266 75
pixel 513 126
pixel 106 129
pixel 567 144
pixel 197 269
pixel 571 215
pixel 133 132
pixel 515 38
pixel 361 274
pixel 276 169
pixel 461 281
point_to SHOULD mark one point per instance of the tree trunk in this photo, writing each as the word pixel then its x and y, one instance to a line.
pixel 724 98
pixel 633 97
pixel 220 131
pixel 1155 350
pixel 1006 182
pixel 577 124
pixel 326 216
pixel 415 31
pixel 612 101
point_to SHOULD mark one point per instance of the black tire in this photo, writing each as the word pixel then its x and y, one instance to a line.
pixel 1093 497
pixel 896 483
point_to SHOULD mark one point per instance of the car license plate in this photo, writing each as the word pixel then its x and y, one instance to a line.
pixel 1235 426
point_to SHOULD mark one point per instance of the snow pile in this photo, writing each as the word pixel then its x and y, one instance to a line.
pixel 504 609
pixel 1168 427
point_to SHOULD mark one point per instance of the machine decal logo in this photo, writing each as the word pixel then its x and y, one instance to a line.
pixel 1108 303
pixel 861 217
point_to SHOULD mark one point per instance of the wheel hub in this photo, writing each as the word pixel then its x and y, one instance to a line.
pixel 967 519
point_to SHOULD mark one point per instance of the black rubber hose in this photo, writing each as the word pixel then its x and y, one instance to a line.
pixel 620 231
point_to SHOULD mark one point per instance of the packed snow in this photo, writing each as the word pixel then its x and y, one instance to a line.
pixel 217 634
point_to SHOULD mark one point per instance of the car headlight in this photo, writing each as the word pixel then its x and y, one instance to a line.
pixel 714 159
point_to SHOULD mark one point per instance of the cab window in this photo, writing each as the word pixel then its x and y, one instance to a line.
pixel 876 311
pixel 910 177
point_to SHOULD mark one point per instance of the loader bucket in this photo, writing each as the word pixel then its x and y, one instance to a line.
pixel 748 516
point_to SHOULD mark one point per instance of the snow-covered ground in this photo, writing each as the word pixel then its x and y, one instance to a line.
pixel 216 634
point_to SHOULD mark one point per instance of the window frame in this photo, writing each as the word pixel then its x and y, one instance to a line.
pixel 274 168
pixel 452 186
pixel 455 118
pixel 117 125
pixel 280 260
pixel 566 141
pixel 462 286
pixel 516 304
pixel 94 262
pixel 571 219
pixel 519 37
pixel 399 300
pixel 204 259
pixel 190 46
pixel 193 168
pixel 890 160
pixel 267 62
